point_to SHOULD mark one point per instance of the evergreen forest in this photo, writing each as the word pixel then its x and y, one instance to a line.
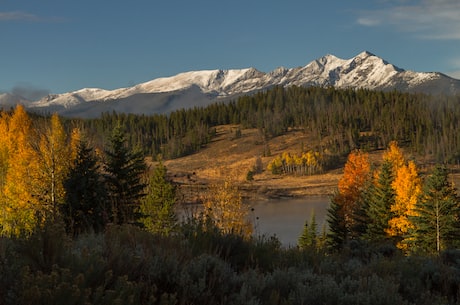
pixel 84 220
pixel 339 120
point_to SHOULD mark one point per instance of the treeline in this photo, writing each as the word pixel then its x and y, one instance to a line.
pixel 48 175
pixel 393 206
pixel 339 120
pixel 79 225
pixel 180 133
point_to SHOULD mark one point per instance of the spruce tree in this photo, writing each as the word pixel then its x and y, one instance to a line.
pixel 437 221
pixel 124 170
pixel 158 207
pixel 84 207
pixel 380 197
pixel 309 236
pixel 338 234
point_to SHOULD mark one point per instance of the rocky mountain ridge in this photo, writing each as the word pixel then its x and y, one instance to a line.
pixel 200 88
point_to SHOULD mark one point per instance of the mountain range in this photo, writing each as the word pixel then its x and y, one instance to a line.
pixel 200 88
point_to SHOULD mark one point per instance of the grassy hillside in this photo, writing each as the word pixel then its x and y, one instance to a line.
pixel 228 155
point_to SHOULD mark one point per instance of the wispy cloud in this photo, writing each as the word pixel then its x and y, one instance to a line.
pixel 29 91
pixel 28 17
pixel 427 19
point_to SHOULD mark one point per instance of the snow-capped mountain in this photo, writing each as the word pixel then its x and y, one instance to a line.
pixel 199 88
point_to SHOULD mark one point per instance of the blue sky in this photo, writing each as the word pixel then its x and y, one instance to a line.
pixel 55 46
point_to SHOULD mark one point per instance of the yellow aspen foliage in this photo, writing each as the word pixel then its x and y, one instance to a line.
pixel 407 186
pixel 311 161
pixel 224 206
pixel 307 163
pixel 55 159
pixel 20 204
pixel 298 161
pixel 275 165
pixel 75 140
pixel 394 155
pixel 4 118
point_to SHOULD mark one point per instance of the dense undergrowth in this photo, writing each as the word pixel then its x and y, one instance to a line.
pixel 127 265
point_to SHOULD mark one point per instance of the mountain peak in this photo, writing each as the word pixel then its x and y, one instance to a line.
pixel 200 88
pixel 365 54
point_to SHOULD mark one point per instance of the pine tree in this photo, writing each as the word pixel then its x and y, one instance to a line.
pixel 124 170
pixel 85 201
pixel 309 237
pixel 436 224
pixel 380 197
pixel 337 235
pixel 158 207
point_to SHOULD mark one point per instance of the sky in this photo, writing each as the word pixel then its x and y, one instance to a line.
pixel 57 46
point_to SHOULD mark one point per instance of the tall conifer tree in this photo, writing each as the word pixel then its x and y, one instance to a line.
pixel 158 207
pixel 85 202
pixel 437 225
pixel 380 197
pixel 124 170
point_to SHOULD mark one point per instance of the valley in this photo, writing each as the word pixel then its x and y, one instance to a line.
pixel 227 156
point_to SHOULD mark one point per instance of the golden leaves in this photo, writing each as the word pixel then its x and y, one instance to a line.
pixel 34 161
pixel 224 206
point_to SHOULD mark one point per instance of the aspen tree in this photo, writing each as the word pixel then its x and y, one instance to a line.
pixel 224 206
pixel 346 205
pixel 55 160
pixel 407 188
pixel 20 206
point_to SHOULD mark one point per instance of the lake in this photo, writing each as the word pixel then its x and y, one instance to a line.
pixel 285 218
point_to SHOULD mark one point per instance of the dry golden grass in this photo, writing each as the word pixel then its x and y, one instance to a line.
pixel 229 156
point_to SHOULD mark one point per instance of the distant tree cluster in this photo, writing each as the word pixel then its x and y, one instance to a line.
pixel 394 205
pixel 308 163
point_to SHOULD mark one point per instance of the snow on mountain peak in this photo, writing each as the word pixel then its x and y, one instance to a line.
pixel 365 70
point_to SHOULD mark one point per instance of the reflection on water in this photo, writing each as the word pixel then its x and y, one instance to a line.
pixel 285 218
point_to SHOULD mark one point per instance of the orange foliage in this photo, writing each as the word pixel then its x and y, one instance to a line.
pixel 407 186
pixel 394 155
pixel 355 175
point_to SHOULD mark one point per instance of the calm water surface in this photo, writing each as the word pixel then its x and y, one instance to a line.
pixel 285 218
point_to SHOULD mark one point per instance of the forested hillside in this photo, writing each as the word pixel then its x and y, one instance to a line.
pixel 338 120
pixel 83 220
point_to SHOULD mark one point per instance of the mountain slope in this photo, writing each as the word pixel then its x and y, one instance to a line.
pixel 199 88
